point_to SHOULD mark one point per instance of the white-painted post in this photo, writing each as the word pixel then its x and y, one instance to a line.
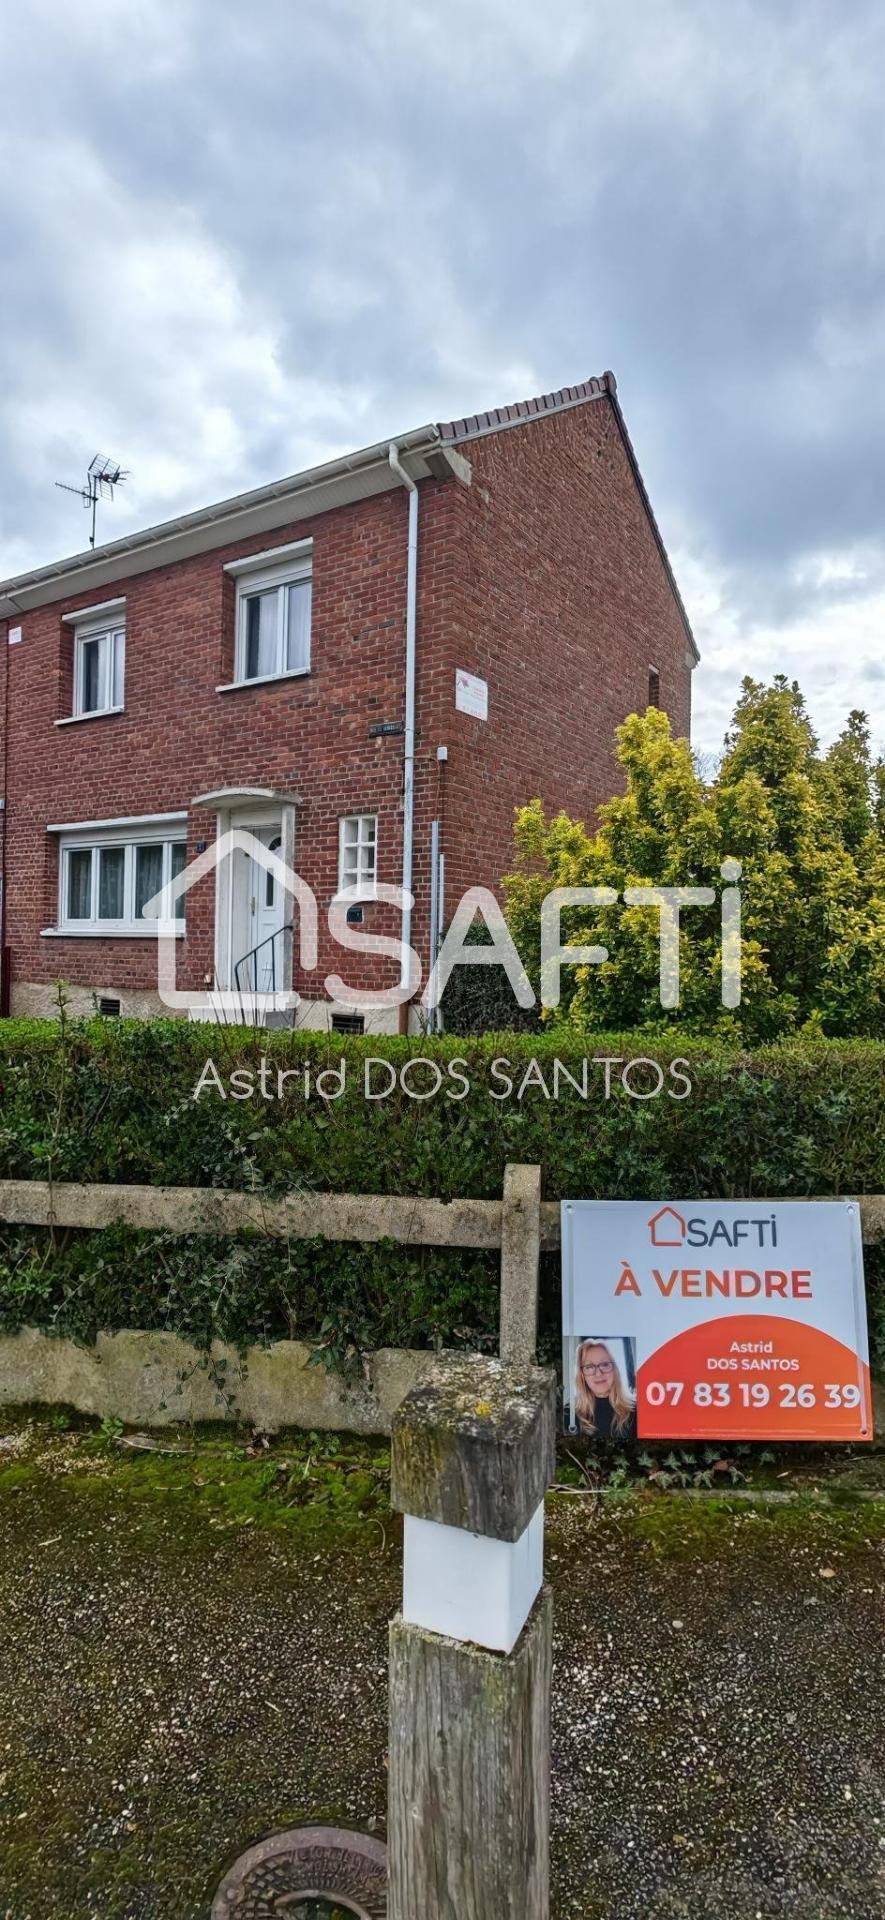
pixel 470 1654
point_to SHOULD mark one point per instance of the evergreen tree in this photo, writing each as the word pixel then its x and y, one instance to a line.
pixel 809 832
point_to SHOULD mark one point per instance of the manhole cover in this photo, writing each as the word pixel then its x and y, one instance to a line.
pixel 307 1873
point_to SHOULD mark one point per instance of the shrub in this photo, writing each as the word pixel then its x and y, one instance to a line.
pixel 246 1290
pixel 114 1102
pixel 480 999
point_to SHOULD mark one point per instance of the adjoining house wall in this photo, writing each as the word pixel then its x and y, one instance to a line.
pixel 41 1002
pixel 564 605
pixel 33 1000
pixel 178 737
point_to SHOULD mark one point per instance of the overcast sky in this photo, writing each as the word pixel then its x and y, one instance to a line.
pixel 240 238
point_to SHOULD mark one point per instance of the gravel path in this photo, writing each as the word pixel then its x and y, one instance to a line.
pixel 720 1713
pixel 177 1679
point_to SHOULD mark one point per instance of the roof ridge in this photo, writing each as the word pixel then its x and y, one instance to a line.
pixel 494 418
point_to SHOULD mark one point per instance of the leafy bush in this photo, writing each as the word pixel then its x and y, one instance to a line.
pixel 113 1101
pixel 246 1290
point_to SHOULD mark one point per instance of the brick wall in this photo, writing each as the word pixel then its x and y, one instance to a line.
pixel 564 605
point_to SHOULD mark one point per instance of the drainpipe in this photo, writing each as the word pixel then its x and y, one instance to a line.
pixel 5 958
pixel 409 741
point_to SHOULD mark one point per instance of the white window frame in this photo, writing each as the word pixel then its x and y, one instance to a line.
pixel 363 886
pixel 95 841
pixel 273 579
pixel 107 624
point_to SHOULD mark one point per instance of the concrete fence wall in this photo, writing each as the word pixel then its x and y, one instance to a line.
pixel 412 1221
pixel 158 1380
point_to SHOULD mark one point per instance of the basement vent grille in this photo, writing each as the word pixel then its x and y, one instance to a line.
pixel 348 1023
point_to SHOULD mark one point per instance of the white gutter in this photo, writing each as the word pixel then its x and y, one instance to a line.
pixel 262 509
pixel 409 742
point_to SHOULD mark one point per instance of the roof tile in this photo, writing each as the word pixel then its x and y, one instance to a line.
pixel 477 423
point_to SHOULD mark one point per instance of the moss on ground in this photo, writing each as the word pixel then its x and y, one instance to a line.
pixel 680 1527
pixel 320 1487
pixel 193 1652
pixel 181 1633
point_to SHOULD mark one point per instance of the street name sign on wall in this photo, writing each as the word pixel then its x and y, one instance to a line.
pixel 714 1319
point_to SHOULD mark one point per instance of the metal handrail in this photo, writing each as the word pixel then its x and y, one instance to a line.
pixel 270 940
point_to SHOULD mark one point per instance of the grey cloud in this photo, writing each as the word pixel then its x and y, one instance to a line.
pixel 409 210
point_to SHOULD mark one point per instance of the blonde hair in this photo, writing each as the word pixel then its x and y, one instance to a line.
pixel 620 1399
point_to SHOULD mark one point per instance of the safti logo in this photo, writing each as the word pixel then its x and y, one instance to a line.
pixel 297 926
pixel 667 1228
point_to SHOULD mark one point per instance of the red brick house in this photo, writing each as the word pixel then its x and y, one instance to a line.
pixel 371 660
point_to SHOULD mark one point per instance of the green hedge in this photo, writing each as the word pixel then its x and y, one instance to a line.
pixel 247 1290
pixel 113 1101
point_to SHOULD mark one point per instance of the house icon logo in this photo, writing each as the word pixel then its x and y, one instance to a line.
pixel 232 998
pixel 667 1228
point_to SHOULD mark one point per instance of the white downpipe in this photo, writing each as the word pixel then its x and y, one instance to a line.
pixel 434 1021
pixel 409 741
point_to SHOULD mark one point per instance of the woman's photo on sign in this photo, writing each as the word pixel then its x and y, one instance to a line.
pixel 604 1388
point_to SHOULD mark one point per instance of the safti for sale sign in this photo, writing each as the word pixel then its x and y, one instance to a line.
pixel 714 1319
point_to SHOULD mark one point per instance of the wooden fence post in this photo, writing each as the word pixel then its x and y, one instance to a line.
pixel 520 1253
pixel 470 1655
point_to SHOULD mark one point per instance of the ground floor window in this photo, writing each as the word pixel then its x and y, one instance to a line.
pixel 106 880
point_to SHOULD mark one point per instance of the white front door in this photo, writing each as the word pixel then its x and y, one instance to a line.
pixel 267 902
pixel 258 905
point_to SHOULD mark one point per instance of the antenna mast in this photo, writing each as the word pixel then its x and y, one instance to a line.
pixel 102 476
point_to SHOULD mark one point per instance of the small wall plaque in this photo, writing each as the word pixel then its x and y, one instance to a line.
pixel 471 694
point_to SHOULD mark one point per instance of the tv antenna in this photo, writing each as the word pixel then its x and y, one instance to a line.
pixel 102 476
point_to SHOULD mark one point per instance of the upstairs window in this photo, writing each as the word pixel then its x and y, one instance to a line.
pixel 358 852
pixel 654 687
pixel 99 659
pixel 273 618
